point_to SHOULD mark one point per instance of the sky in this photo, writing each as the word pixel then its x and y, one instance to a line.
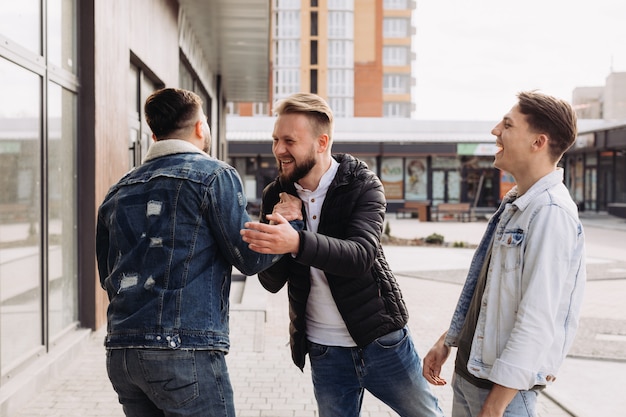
pixel 474 56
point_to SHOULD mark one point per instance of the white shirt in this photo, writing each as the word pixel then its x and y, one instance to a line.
pixel 324 324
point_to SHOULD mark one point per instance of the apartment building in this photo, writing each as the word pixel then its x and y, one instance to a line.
pixel 357 54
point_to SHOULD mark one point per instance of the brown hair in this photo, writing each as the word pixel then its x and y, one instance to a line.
pixel 552 116
pixel 170 110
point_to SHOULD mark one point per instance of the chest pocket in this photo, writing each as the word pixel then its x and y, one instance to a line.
pixel 511 246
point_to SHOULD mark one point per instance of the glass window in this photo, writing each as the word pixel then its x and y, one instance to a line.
pixel 416 179
pixel 396 55
pixel 394 27
pixel 62 250
pixel 340 83
pixel 340 4
pixel 396 84
pixel 395 4
pixel 340 54
pixel 61 34
pixel 287 24
pixel 397 109
pixel 340 24
pixel 391 177
pixel 20 22
pixel 20 214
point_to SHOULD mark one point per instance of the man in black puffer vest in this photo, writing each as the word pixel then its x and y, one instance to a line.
pixel 346 308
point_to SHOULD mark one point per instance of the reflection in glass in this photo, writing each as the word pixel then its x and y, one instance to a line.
pixel 61 38
pixel 62 282
pixel 20 229
pixel 20 22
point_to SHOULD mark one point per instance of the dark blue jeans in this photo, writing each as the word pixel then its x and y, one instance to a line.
pixel 389 368
pixel 171 383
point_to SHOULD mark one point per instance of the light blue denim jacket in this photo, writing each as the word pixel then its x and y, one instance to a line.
pixel 535 282
pixel 168 235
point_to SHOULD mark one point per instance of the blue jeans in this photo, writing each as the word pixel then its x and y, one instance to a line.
pixel 171 383
pixel 468 400
pixel 389 368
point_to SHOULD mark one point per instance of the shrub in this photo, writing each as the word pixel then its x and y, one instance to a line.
pixel 434 238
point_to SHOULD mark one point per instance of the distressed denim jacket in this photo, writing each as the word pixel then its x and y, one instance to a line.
pixel 168 235
pixel 533 294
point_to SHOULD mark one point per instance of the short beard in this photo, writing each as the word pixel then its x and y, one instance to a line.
pixel 300 171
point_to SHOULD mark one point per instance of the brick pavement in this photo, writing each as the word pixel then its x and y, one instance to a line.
pixel 266 382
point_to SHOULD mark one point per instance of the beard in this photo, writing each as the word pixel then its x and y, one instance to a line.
pixel 300 169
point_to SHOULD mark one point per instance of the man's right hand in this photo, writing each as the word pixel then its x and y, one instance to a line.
pixel 434 360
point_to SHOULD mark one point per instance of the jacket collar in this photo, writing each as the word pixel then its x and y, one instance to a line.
pixel 170 146
pixel 546 182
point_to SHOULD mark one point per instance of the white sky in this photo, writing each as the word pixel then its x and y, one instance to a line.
pixel 473 56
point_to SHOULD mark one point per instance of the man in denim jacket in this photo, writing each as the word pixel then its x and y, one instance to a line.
pixel 167 239
pixel 518 312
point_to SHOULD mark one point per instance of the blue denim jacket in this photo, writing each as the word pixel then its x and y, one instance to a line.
pixel 535 282
pixel 168 235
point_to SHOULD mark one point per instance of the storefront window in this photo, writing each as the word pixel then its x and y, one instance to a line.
pixel 391 177
pixel 20 214
pixel 62 280
pixel 416 179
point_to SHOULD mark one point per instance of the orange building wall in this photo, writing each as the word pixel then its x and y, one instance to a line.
pixel 368 67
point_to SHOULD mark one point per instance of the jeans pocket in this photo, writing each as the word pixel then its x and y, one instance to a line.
pixel 392 339
pixel 317 351
pixel 171 375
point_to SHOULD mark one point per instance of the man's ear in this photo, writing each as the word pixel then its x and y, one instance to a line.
pixel 154 138
pixel 323 142
pixel 198 129
pixel 541 141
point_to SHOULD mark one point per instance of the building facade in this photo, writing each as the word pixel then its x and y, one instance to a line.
pixel 436 162
pixel 357 54
pixel 426 161
pixel 74 76
pixel 596 168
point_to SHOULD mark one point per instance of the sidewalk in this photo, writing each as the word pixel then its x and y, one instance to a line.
pixel 266 383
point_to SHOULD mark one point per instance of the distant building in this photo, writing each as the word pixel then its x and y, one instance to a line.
pixel 606 102
pixel 357 54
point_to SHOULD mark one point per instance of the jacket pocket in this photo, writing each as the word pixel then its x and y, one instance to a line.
pixel 511 247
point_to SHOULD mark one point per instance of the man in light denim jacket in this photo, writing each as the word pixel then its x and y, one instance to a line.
pixel 518 311
pixel 167 240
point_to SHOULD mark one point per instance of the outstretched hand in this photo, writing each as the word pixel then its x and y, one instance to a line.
pixel 278 238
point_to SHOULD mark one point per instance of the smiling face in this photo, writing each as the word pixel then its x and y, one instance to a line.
pixel 295 147
pixel 514 140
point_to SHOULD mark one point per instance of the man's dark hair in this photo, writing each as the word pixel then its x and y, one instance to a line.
pixel 170 110
pixel 552 116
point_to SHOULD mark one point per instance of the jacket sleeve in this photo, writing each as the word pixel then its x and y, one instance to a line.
pixel 227 216
pixel 348 240
pixel 275 277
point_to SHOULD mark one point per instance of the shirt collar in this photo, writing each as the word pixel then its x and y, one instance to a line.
pixel 326 179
